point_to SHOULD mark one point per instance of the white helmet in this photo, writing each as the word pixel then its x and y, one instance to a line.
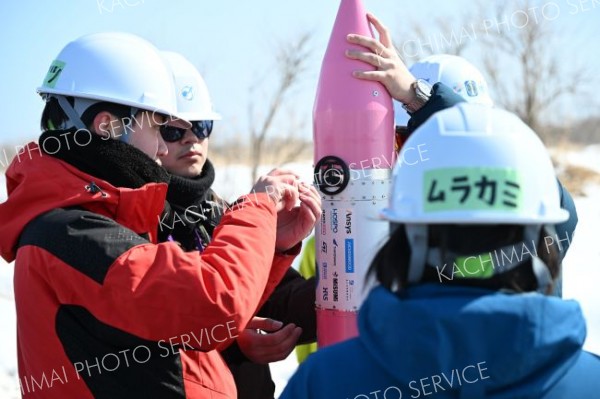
pixel 193 99
pixel 120 68
pixel 483 166
pixel 457 73
pixel 453 71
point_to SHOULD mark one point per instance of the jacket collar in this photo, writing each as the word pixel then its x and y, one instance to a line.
pixel 39 182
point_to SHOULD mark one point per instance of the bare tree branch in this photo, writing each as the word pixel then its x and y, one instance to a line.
pixel 291 147
pixel 292 63
pixel 517 56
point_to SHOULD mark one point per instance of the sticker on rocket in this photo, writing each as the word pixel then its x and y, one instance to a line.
pixel 348 221
pixel 325 293
pixel 334 221
pixel 331 175
pixel 336 288
pixel 349 290
pixel 335 245
pixel 348 238
pixel 349 255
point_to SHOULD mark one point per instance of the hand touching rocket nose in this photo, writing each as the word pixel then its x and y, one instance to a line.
pixel 389 68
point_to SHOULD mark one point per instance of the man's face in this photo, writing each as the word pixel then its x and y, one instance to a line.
pixel 186 156
pixel 145 135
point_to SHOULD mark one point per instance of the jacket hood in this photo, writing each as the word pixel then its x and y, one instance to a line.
pixel 39 182
pixel 431 329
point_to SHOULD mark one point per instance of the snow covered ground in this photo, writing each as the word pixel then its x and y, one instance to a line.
pixel 581 270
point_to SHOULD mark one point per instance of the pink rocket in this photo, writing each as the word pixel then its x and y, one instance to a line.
pixel 353 125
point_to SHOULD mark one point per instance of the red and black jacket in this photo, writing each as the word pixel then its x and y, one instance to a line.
pixel 93 289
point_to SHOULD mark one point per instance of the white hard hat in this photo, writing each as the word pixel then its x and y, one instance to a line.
pixel 193 98
pixel 453 71
pixel 457 73
pixel 482 165
pixel 120 68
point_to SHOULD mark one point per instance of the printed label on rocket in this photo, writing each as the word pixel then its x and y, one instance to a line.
pixel 334 220
pixel 323 223
pixel 349 252
pixel 349 290
pixel 335 287
pixel 348 222
pixel 324 274
pixel 335 245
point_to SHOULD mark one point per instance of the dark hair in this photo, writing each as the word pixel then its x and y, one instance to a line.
pixel 54 113
pixel 390 265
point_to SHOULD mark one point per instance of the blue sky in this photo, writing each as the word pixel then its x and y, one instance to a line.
pixel 233 43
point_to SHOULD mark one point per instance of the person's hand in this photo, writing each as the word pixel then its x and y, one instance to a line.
pixel 271 347
pixel 281 186
pixel 296 224
pixel 389 68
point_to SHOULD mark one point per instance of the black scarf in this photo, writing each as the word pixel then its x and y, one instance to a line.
pixel 120 164
pixel 184 191
pixel 195 209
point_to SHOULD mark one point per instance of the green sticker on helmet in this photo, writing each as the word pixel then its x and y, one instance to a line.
pixel 53 73
pixel 468 189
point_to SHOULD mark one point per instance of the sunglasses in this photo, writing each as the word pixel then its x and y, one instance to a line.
pixel 171 134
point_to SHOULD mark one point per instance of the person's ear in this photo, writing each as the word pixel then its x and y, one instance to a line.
pixel 105 124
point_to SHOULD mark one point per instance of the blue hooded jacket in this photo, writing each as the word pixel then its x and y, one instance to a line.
pixel 455 342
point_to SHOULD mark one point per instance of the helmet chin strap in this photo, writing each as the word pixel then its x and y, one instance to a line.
pixel 72 115
pixel 541 271
pixel 75 120
pixel 417 238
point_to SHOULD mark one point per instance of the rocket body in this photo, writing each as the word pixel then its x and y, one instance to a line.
pixel 353 127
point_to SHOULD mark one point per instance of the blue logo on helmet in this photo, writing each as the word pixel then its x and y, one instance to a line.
pixel 188 93
pixel 472 88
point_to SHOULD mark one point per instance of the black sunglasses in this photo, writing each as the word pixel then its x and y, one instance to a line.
pixel 171 134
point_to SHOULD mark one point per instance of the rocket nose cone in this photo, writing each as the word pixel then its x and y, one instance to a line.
pixel 351 18
pixel 353 118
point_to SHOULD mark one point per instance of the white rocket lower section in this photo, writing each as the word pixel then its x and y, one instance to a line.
pixel 348 237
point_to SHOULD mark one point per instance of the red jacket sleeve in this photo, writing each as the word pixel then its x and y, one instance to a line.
pixel 281 266
pixel 159 292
